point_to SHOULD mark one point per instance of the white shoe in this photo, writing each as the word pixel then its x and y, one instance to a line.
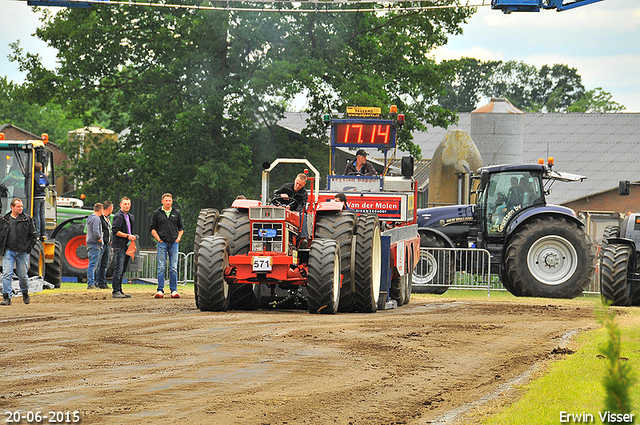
pixel 175 294
pixel 159 294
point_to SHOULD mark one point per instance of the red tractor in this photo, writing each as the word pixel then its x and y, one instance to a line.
pixel 255 245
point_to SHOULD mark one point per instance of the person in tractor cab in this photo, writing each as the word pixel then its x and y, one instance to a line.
pixel 41 181
pixel 514 197
pixel 294 195
pixel 360 165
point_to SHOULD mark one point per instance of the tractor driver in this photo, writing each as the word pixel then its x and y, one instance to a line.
pixel 296 192
pixel 360 165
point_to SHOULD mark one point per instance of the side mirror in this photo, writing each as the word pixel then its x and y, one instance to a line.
pixel 484 179
pixel 624 188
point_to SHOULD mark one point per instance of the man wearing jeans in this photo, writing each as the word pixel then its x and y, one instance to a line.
pixel 94 244
pixel 17 238
pixel 166 228
pixel 122 228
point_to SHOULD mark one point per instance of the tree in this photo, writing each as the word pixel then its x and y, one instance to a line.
pixel 596 100
pixel 471 82
pixel 49 118
pixel 554 88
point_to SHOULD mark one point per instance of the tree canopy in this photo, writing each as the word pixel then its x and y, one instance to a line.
pixel 551 88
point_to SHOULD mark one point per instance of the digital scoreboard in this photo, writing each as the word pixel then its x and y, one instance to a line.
pixel 363 133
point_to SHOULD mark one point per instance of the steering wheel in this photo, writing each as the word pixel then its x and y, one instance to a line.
pixel 284 202
pixel 355 173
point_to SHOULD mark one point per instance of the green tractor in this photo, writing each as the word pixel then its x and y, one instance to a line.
pixel 61 253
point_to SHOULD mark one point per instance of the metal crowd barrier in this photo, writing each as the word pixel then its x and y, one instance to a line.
pixel 460 268
pixel 146 267
pixel 465 268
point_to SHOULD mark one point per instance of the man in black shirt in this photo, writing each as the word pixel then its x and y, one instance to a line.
pixel 166 228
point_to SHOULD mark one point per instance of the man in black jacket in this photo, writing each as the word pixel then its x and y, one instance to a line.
pixel 166 228
pixel 105 220
pixel 122 228
pixel 17 238
pixel 295 196
pixel 360 165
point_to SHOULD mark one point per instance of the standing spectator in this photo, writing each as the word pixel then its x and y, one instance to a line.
pixel 17 238
pixel 105 220
pixel 122 228
pixel 41 181
pixel 94 244
pixel 166 228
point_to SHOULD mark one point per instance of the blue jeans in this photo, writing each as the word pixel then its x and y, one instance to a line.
pixel 94 252
pixel 21 261
pixel 38 216
pixel 120 263
pixel 168 249
pixel 101 271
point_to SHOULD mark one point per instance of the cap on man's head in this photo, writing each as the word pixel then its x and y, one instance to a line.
pixel 361 152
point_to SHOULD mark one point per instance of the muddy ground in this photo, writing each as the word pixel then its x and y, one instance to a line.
pixel 148 361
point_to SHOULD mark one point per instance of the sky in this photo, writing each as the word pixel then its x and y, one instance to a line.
pixel 600 40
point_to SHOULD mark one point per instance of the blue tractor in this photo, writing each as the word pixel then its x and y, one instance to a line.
pixel 620 259
pixel 539 250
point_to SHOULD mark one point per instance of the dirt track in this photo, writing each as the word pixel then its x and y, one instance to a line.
pixel 143 360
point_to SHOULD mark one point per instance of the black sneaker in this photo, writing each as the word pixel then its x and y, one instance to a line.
pixel 26 298
pixel 119 295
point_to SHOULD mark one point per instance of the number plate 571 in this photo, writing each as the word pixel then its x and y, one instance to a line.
pixel 262 264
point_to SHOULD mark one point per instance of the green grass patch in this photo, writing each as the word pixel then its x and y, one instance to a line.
pixel 70 287
pixel 574 384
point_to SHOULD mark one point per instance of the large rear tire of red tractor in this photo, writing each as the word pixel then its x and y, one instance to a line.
pixel 37 265
pixel 205 226
pixel 550 257
pixel 614 271
pixel 368 264
pixel 323 280
pixel 340 227
pixel 54 269
pixel 75 259
pixel 213 289
pixel 235 227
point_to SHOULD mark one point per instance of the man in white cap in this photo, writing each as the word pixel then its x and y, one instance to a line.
pixel 360 165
